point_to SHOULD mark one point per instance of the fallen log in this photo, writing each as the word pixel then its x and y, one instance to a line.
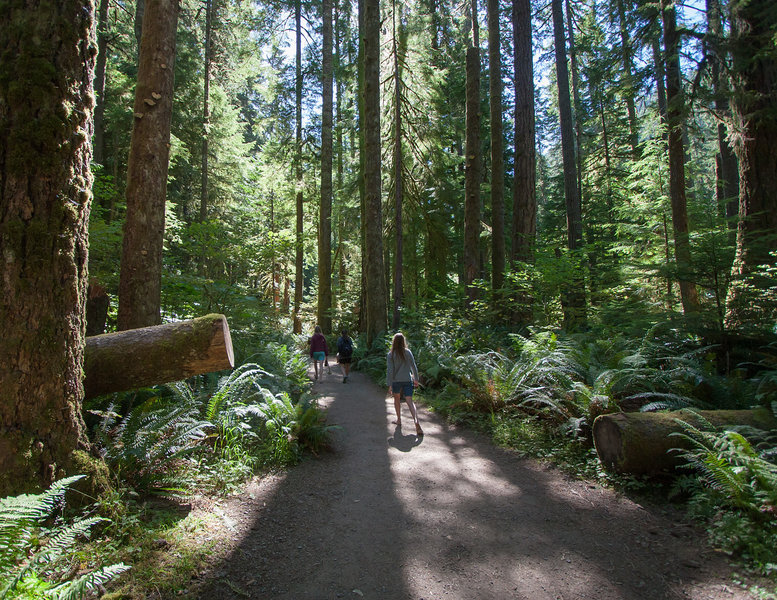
pixel 127 360
pixel 639 442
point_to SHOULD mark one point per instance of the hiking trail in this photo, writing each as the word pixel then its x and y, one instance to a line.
pixel 389 515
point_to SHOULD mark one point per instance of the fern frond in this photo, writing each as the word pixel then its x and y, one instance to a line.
pixel 90 582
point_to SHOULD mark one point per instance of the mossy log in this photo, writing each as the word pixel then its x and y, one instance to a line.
pixel 135 358
pixel 639 443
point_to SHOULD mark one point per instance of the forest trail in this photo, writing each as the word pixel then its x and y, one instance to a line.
pixel 387 515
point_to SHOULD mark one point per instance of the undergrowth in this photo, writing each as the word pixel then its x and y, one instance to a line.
pixel 539 394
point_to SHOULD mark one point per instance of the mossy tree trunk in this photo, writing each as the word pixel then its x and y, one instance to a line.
pixel 497 151
pixel 140 280
pixel 675 119
pixel 325 210
pixel 573 297
pixel 375 289
pixel 524 174
pixel 472 163
pixel 299 281
pixel 755 113
pixel 126 360
pixel 46 107
pixel 642 443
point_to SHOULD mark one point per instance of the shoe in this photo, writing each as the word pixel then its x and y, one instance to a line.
pixel 345 379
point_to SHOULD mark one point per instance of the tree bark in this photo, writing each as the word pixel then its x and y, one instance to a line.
pixel 576 104
pixel 573 297
pixel 497 148
pixel 627 81
pixel 375 273
pixel 399 183
pixel 754 102
pixel 472 163
pixel 140 280
pixel 140 10
pixel 325 209
pixel 127 360
pixel 640 443
pixel 726 168
pixel 205 119
pixel 524 178
pixel 99 83
pixel 675 122
pixel 299 281
pixel 45 199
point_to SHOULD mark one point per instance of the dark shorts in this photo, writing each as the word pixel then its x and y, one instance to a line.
pixel 344 360
pixel 405 387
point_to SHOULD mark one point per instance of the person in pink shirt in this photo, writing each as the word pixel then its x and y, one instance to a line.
pixel 318 350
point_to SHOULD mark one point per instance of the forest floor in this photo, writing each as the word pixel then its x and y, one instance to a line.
pixel 389 515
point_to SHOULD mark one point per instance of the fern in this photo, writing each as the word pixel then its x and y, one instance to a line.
pixel 19 514
pixel 732 468
pixel 147 447
pixel 90 582
pixel 27 549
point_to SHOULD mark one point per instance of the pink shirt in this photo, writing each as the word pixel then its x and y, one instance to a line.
pixel 318 344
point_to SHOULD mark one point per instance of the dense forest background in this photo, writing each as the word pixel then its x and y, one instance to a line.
pixel 569 207
pixel 239 164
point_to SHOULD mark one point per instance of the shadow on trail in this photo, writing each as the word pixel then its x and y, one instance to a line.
pixel 496 526
pixel 394 516
pixel 330 527
pixel 402 442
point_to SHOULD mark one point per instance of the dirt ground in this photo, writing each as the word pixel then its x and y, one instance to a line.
pixel 390 515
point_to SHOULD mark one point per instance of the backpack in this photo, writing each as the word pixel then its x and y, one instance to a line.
pixel 346 347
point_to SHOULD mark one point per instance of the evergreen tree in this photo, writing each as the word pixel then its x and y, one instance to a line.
pixel 45 151
pixel 141 263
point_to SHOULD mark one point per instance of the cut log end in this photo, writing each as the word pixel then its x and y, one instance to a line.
pixel 126 360
pixel 607 441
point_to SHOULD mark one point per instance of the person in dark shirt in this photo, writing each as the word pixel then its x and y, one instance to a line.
pixel 344 353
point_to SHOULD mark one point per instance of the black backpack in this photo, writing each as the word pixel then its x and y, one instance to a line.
pixel 346 347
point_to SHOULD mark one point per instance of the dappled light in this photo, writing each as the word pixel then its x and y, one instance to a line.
pixel 447 515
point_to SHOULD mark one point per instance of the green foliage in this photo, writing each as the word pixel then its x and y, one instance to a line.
pixel 31 547
pixel 736 475
pixel 147 447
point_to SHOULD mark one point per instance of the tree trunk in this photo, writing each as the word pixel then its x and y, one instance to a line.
pixel 205 119
pixel 576 104
pixel 375 274
pixel 299 240
pixel 573 297
pixel 398 179
pixel 140 10
pixel 127 360
pixel 140 280
pixel 640 443
pixel 472 164
pixel 726 169
pixel 675 123
pixel 99 84
pixel 755 99
pixel 627 81
pixel 497 149
pixel 45 195
pixel 339 75
pixel 524 179
pixel 360 81
pixel 325 209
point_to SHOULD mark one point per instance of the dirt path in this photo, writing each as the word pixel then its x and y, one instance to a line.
pixel 388 515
